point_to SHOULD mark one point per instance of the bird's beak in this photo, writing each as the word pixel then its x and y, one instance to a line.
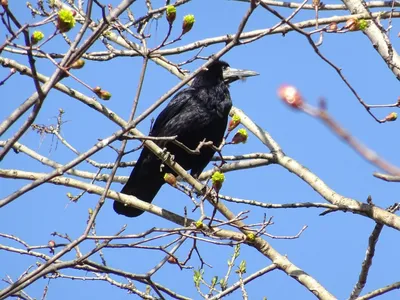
pixel 231 75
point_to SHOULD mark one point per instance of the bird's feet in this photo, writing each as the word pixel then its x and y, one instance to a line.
pixel 166 155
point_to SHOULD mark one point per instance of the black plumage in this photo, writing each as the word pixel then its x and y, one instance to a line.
pixel 194 114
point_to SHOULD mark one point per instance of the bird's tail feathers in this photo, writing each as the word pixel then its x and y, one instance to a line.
pixel 143 187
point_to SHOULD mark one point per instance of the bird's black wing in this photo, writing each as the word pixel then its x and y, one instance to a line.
pixel 174 107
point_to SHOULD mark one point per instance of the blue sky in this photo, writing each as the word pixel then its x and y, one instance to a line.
pixel 331 249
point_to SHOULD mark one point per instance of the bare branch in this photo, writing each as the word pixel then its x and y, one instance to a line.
pixel 367 263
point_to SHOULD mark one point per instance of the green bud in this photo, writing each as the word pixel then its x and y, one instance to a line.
pixel 236 118
pixel 240 136
pixel 104 95
pixel 188 22
pixel 234 122
pixel 236 253
pixel 108 34
pixel 391 117
pixel 199 224
pixel 243 132
pixel 217 179
pixel 36 37
pixel 171 14
pixel 251 237
pixel 362 24
pixel 197 277
pixel 65 21
pixel 78 64
pixel 242 267
pixel 214 281
pixel 223 284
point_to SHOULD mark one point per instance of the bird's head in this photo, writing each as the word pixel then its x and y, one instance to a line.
pixel 220 70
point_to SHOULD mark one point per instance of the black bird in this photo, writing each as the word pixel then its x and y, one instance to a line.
pixel 194 114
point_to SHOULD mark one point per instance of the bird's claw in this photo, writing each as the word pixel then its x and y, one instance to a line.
pixel 167 155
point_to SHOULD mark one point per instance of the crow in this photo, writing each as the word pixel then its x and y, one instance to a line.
pixel 197 113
